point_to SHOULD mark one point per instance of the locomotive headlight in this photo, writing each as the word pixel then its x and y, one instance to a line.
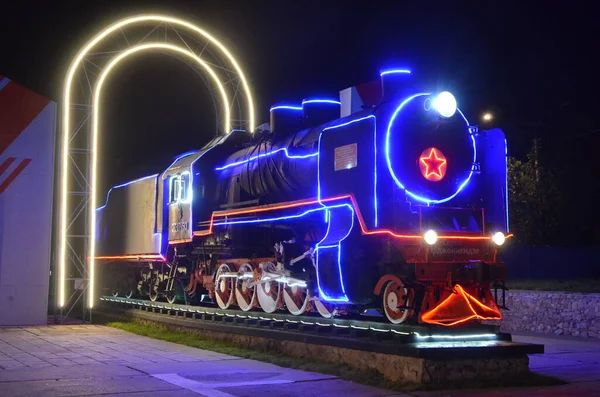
pixel 430 237
pixel 445 104
pixel 498 238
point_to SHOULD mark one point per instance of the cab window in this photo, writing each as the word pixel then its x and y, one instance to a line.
pixel 180 189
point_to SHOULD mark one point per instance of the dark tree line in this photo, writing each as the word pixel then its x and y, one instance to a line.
pixel 554 193
pixel 534 197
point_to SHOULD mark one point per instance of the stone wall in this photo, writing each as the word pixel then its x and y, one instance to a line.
pixel 559 313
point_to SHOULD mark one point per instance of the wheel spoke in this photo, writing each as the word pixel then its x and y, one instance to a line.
pixel 396 300
pixel 269 293
pixel 223 287
pixel 245 293
pixel 325 309
pixel 297 299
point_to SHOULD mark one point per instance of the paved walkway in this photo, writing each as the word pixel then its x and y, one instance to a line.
pixel 575 360
pixel 90 360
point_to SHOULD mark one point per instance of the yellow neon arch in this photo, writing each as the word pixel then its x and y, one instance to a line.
pixel 96 117
pixel 66 120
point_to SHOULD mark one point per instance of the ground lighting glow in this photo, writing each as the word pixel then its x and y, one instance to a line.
pixel 66 129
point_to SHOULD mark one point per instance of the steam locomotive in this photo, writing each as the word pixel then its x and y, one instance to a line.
pixel 385 200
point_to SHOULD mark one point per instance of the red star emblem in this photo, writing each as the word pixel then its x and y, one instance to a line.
pixel 433 164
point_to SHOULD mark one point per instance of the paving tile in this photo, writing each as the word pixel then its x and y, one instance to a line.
pixel 73 371
pixel 162 393
pixel 586 389
pixel 13 366
pixel 333 387
pixel 39 365
pixel 580 373
pixel 86 386
pixel 60 362
pixel 551 362
pixel 93 360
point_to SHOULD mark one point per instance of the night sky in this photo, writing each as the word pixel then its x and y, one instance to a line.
pixel 535 67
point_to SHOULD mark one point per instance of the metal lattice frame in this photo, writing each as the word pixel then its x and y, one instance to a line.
pixel 80 130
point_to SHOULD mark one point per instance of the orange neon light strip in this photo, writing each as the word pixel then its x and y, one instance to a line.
pixel 138 257
pixel 337 198
pixel 461 302
pixel 263 209
pixel 183 240
pixel 271 207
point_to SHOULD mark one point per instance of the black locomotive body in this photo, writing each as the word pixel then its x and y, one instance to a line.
pixel 397 204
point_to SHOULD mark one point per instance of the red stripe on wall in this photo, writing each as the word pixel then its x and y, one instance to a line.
pixel 6 164
pixel 13 175
pixel 18 108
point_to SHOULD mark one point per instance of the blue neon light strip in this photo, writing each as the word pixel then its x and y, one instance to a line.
pixel 190 191
pixel 330 215
pixel 317 247
pixel 123 185
pixel 394 71
pixel 375 180
pixel 389 163
pixel 334 102
pixel 192 177
pixel 506 191
pixel 190 171
pixel 186 154
pixel 322 293
pixel 339 255
pixel 375 144
pixel 289 156
pixel 4 82
pixel 281 218
pixel 288 107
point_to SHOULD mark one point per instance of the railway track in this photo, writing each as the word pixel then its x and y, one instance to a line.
pixel 403 340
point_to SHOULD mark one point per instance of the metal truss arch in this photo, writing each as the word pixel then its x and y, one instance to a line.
pixel 79 128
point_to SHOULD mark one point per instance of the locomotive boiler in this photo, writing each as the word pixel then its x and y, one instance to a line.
pixel 386 199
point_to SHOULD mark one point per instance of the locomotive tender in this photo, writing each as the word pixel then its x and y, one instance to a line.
pixel 387 199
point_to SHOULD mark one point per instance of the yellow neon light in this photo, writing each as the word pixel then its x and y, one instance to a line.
pixel 94 152
pixel 66 121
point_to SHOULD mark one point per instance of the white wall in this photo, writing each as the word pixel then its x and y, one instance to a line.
pixel 26 223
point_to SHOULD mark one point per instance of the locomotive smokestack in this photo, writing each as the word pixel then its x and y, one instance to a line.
pixel 285 119
pixel 394 82
pixel 319 111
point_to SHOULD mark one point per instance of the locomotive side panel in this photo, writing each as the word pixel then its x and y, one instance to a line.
pixel 347 164
pixel 270 171
pixel 493 179
pixel 126 224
